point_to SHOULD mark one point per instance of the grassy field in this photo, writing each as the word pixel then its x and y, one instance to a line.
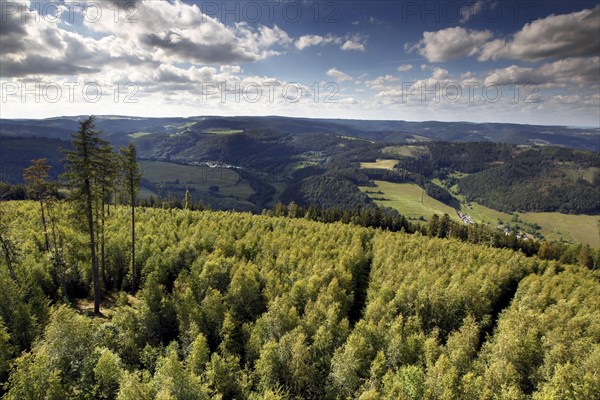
pixel 176 178
pixel 410 200
pixel 179 127
pixel 556 226
pixel 140 134
pixel 483 214
pixel 580 173
pixel 381 164
pixel 222 131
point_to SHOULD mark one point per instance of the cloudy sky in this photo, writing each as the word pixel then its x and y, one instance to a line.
pixel 481 60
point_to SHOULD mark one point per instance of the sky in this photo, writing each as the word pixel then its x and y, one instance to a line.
pixel 534 62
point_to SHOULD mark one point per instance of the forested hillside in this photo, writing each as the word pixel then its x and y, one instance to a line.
pixel 238 306
pixel 318 161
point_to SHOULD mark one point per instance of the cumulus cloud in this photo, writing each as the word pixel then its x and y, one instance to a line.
pixel 316 40
pixel 381 82
pixel 165 32
pixel 180 32
pixel 568 71
pixel 356 42
pixel 405 67
pixel 391 91
pixel 352 45
pixel 338 75
pixel 449 44
pixel 347 43
pixel 556 36
pixel 440 74
pixel 38 46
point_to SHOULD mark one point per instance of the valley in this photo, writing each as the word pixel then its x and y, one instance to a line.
pixel 412 201
pixel 251 163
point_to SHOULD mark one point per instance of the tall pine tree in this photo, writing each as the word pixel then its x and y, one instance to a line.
pixel 108 169
pixel 131 186
pixel 83 173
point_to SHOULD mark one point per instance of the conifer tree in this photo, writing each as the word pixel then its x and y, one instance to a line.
pixel 131 185
pixel 35 178
pixel 108 170
pixel 82 175
pixel 188 203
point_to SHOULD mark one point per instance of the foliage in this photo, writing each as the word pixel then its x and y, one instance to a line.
pixel 537 180
pixel 239 306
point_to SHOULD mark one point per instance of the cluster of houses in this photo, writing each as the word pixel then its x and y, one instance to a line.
pixel 465 218
pixel 507 231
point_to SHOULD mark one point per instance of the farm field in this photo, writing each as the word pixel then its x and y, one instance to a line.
pixel 406 198
pixel 409 199
pixel 380 163
pixel 579 228
pixel 140 134
pixel 222 131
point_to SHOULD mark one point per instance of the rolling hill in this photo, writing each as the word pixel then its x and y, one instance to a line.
pixel 506 168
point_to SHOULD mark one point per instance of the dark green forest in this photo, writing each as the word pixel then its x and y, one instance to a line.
pixel 537 180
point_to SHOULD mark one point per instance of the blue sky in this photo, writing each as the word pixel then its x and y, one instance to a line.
pixel 481 60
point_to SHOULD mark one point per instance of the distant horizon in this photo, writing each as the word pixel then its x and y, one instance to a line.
pixel 300 117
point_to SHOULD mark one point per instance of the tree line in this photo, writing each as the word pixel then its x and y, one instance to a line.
pixel 444 227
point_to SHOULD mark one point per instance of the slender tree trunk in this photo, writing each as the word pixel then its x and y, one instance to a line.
pixel 133 271
pixel 102 254
pixel 97 231
pixel 53 226
pixel 11 271
pixel 57 258
pixel 90 218
pixel 44 225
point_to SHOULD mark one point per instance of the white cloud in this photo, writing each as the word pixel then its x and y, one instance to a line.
pixel 470 10
pixel 440 74
pixel 352 45
pixel 165 32
pixel 381 82
pixel 316 40
pixel 449 44
pixel 230 69
pixel 556 36
pixel 572 71
pixel 347 43
pixel 349 100
pixel 338 75
pixel 405 67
